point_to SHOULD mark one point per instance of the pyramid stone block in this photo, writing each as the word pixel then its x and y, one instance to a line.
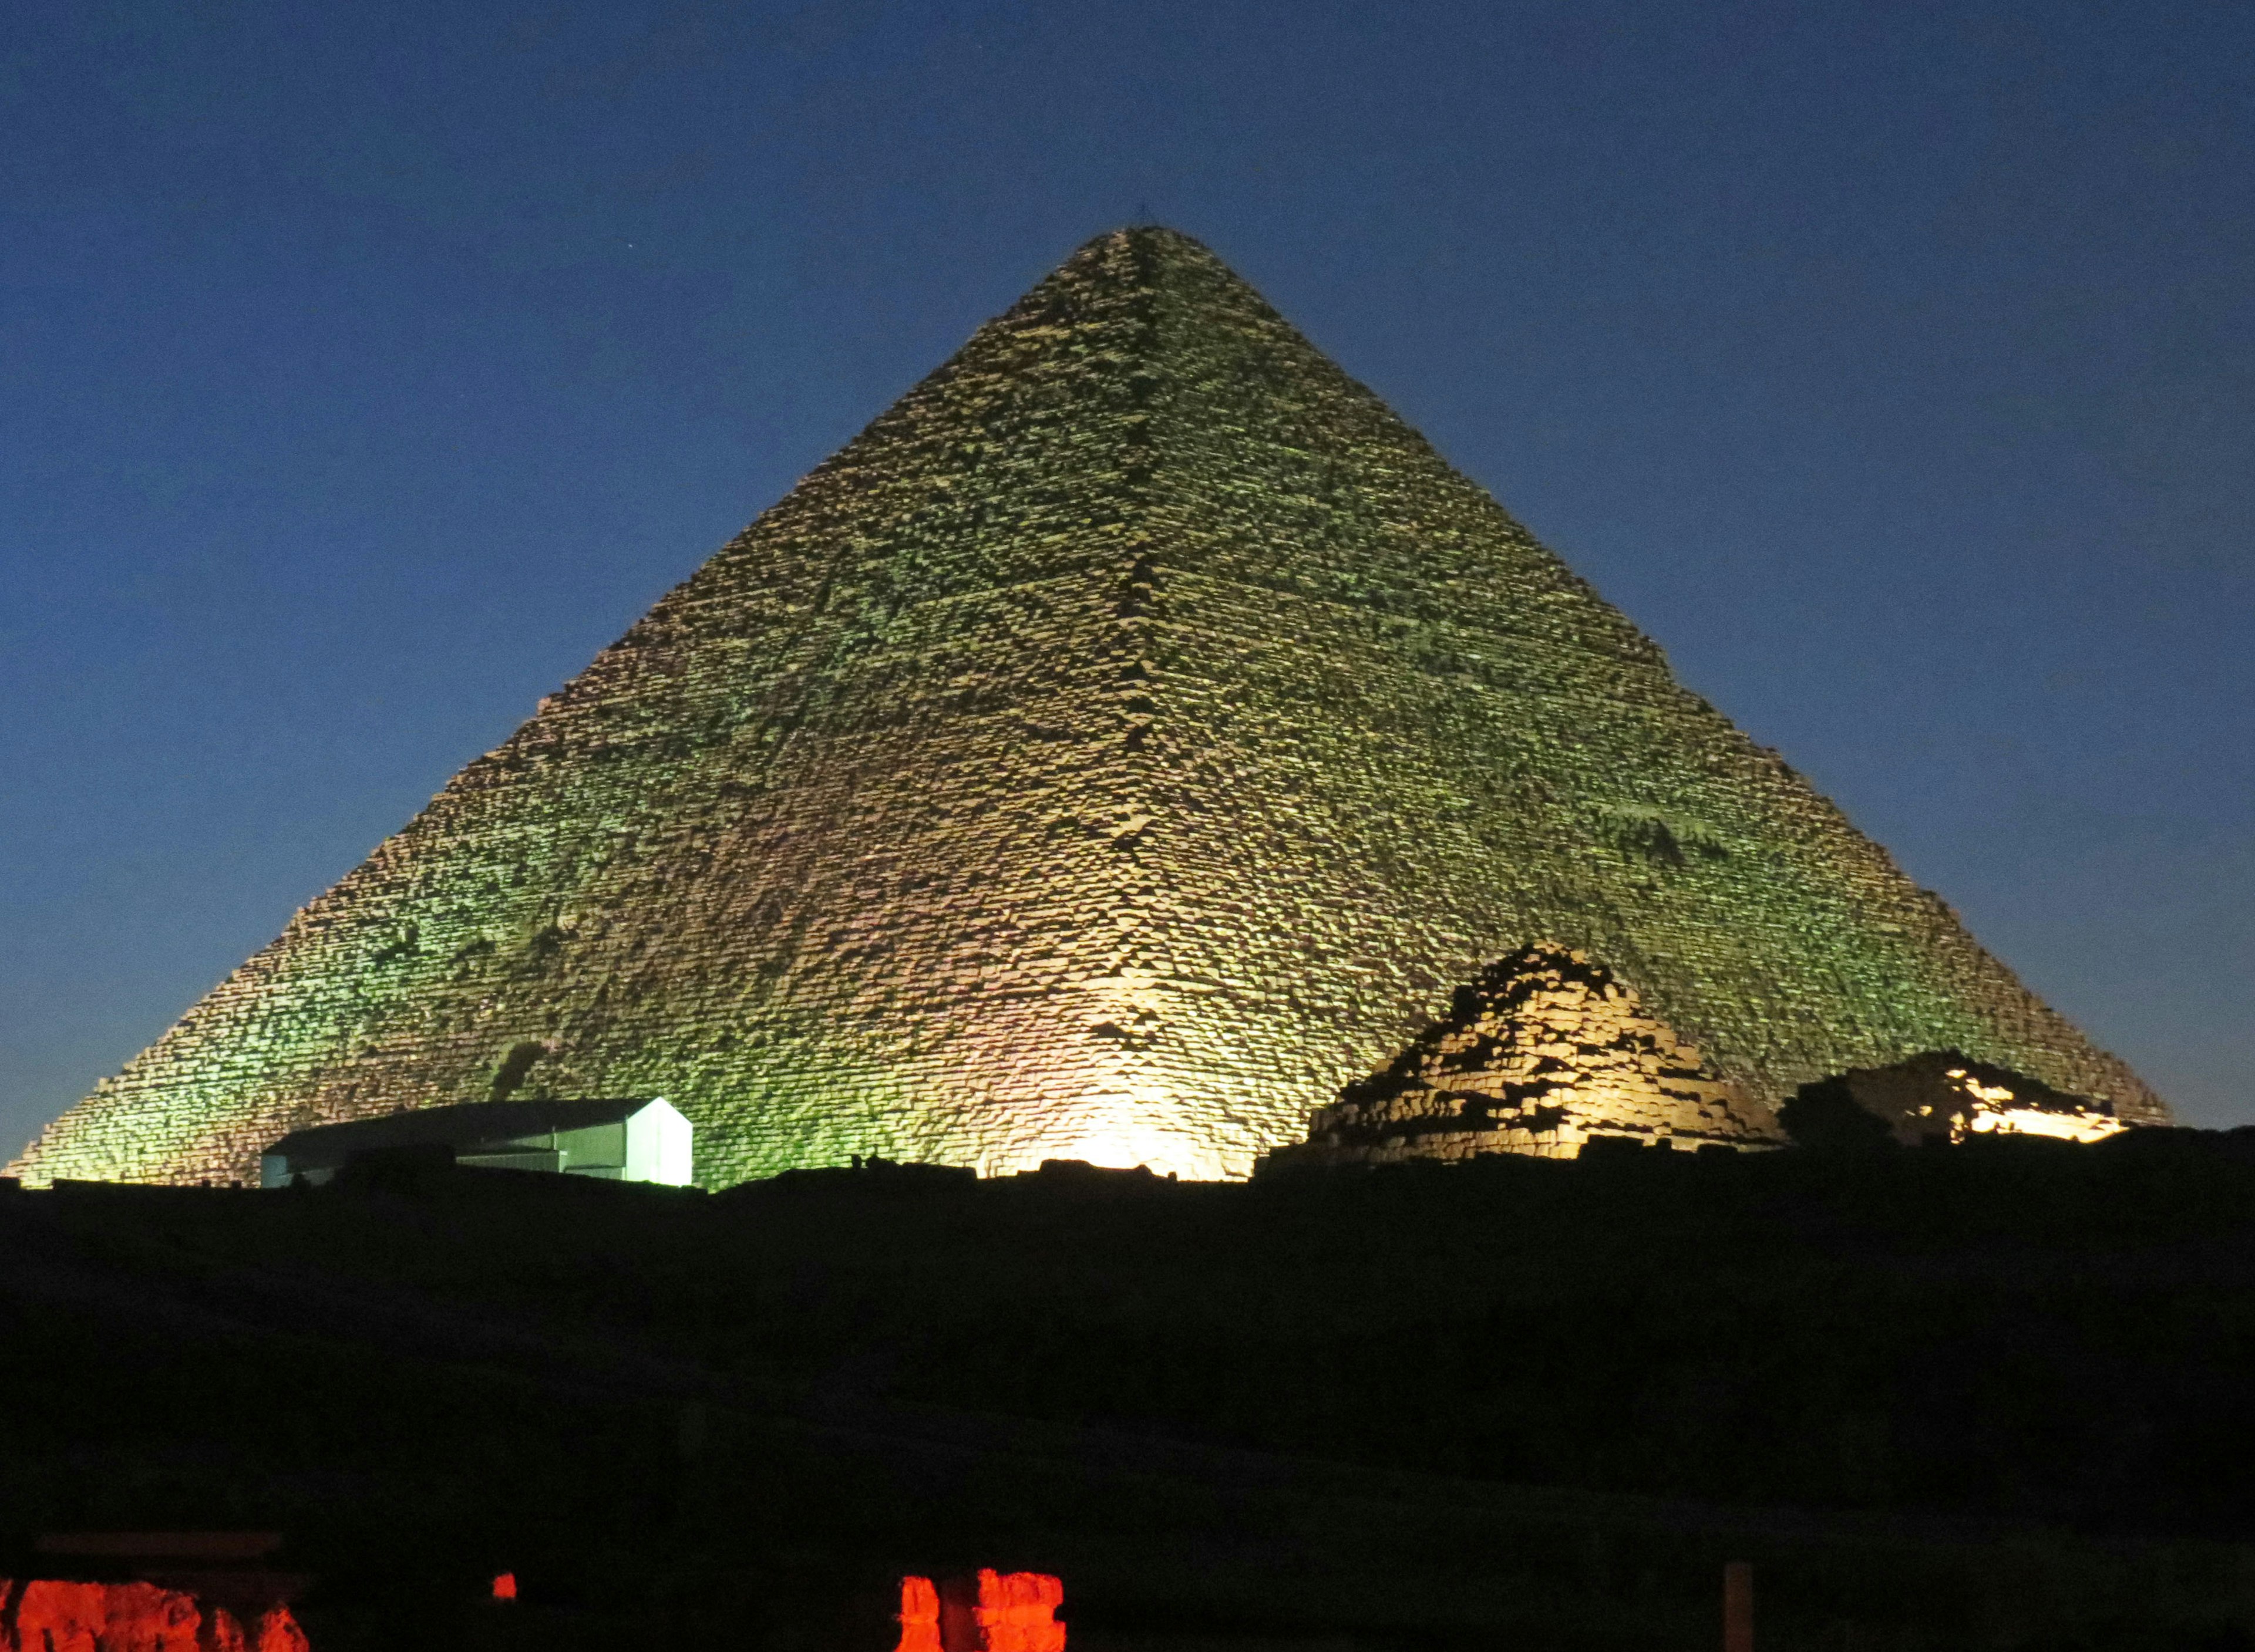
pixel 1131 736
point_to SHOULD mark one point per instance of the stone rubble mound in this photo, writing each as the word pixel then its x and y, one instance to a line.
pixel 1545 1052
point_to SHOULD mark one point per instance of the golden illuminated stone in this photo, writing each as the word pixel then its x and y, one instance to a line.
pixel 1544 1052
pixel 1945 1093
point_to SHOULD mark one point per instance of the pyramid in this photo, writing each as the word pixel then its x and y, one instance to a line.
pixel 1544 1053
pixel 1134 734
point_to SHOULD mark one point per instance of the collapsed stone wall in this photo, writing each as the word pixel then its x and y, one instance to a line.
pixel 1126 741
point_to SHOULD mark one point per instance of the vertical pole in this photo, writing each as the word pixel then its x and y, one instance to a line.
pixel 1738 1607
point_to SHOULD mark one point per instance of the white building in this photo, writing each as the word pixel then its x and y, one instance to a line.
pixel 629 1140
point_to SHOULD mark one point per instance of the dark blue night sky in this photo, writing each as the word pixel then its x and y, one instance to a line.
pixel 364 369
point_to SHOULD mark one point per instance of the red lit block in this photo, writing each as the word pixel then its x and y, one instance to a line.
pixel 504 1585
pixel 1017 1612
pixel 103 1617
pixel 919 1616
pixel 277 1632
pixel 995 1612
pixel 50 1615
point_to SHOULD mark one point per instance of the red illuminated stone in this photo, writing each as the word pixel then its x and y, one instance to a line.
pixel 1017 1612
pixel 919 1616
pixel 993 1611
pixel 51 1615
pixel 277 1632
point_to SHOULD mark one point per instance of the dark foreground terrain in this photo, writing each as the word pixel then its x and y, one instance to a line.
pixel 1994 1395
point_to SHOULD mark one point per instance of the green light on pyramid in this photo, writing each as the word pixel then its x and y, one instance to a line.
pixel 1132 735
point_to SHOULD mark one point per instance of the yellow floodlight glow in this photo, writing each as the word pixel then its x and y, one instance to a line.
pixel 1120 1129
pixel 1993 1113
pixel 2035 1121
pixel 1165 1153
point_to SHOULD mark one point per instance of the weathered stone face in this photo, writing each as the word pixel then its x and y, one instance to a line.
pixel 1545 1051
pixel 1944 1093
pixel 1127 740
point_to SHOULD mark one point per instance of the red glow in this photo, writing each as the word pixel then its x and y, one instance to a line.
pixel 995 1611
pixel 919 1616
pixel 277 1632
pixel 53 1616
pixel 1017 1612
pixel 504 1585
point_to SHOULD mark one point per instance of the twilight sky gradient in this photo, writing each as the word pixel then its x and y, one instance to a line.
pixel 364 369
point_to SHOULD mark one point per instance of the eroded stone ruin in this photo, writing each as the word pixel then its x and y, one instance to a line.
pixel 1948 1096
pixel 51 1615
pixel 1129 739
pixel 1544 1052
pixel 990 1612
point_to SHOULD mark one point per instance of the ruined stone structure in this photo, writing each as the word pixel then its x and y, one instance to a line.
pixel 1132 735
pixel 1944 1093
pixel 47 1615
pixel 1544 1052
pixel 988 1612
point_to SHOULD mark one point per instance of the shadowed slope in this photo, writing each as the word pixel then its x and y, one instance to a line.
pixel 1130 737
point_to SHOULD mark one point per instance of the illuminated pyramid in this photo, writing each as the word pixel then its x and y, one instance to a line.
pixel 1133 735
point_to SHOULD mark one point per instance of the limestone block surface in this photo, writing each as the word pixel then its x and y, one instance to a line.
pixel 1129 739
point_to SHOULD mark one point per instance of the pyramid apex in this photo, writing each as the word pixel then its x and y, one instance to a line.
pixel 1150 240
pixel 1163 235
